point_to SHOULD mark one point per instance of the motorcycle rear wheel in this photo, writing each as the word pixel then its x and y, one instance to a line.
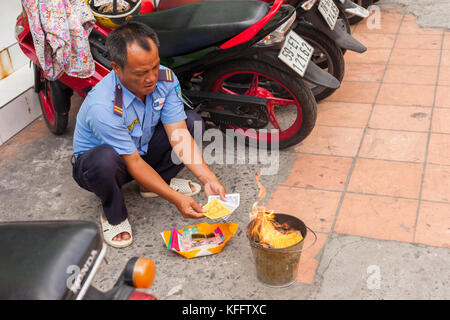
pixel 327 55
pixel 49 93
pixel 253 78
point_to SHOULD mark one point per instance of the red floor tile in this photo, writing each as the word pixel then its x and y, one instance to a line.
pixel 433 224
pixel 397 179
pixel 445 59
pixel 320 172
pixel 406 94
pixel 443 96
pixel 400 118
pixel 411 27
pixel 439 149
pixel 415 57
pixel 363 72
pixel 411 74
pixel 377 217
pixel 332 141
pixel 355 91
pixel 375 40
pixel 413 41
pixel 441 120
pixel 436 184
pixel 315 208
pixel 444 76
pixel 446 45
pixel 372 55
pixel 394 145
pixel 343 114
pixel 381 22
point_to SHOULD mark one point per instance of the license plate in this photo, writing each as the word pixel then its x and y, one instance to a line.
pixel 296 53
pixel 329 11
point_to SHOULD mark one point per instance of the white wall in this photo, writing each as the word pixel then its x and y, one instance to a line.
pixel 18 104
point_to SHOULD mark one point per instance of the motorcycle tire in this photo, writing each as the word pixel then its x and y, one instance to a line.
pixel 49 92
pixel 327 55
pixel 363 3
pixel 267 77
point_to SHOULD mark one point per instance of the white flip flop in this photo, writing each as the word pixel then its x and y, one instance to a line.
pixel 180 185
pixel 110 231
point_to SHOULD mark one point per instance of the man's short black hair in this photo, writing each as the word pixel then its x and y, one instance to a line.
pixel 128 33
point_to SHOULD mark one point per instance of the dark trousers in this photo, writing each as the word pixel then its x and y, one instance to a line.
pixel 102 170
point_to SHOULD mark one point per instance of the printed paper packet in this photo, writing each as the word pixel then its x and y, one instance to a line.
pixel 199 240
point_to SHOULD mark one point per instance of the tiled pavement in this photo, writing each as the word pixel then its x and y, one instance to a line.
pixel 377 164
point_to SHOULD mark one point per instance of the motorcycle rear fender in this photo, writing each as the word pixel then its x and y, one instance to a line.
pixel 313 74
pixel 320 77
pixel 338 35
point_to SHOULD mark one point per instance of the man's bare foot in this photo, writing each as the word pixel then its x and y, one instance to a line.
pixel 121 236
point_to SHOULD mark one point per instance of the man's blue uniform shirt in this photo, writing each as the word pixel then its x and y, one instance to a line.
pixel 97 124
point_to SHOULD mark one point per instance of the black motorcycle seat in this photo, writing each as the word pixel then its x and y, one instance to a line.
pixel 195 26
pixel 35 257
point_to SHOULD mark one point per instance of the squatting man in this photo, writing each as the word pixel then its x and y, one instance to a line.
pixel 122 133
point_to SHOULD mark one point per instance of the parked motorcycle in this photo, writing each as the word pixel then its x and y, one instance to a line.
pixel 325 26
pixel 58 260
pixel 228 65
pixel 324 16
pixel 326 46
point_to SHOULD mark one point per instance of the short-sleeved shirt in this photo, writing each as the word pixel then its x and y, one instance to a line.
pixel 97 124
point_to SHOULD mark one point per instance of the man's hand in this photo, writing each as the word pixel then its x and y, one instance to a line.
pixel 189 208
pixel 215 188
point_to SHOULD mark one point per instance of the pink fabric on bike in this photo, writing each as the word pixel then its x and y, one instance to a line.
pixel 60 30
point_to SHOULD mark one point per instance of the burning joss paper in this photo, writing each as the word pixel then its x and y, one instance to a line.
pixel 268 232
pixel 271 234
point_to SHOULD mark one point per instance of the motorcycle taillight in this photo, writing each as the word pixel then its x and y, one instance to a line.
pixel 139 295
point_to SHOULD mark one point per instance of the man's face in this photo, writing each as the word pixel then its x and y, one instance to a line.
pixel 140 72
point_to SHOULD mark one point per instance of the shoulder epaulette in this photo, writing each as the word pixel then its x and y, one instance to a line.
pixel 165 75
pixel 118 101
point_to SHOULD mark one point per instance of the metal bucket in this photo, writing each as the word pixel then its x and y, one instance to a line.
pixel 278 267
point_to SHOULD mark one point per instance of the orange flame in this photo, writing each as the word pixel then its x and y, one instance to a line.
pixel 268 232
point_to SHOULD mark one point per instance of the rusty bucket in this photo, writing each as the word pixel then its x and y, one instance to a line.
pixel 278 267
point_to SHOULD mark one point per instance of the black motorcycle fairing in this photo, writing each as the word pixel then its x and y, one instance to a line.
pixel 339 35
pixel 198 25
pixel 36 258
